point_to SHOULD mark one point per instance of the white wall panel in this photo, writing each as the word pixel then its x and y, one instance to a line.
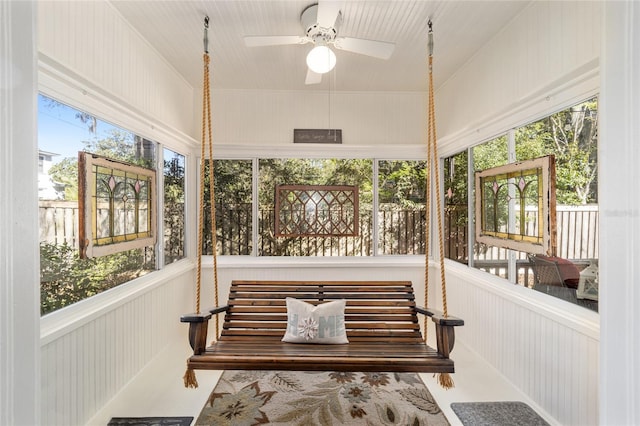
pixel 264 117
pixel 620 221
pixel 544 48
pixel 91 39
pixel 19 260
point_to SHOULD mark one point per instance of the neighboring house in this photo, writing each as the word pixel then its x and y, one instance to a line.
pixel 47 188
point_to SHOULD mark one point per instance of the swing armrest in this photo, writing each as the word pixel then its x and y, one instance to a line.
pixel 439 318
pixel 191 318
pixel 445 334
pixel 198 326
pixel 219 309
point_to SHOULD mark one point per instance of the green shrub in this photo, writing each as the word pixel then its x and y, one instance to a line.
pixel 65 278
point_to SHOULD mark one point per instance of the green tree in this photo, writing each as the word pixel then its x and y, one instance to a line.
pixel 66 172
pixel 66 279
pixel 571 136
pixel 575 140
pixel 119 145
pixel 402 183
pixel 491 154
pixel 174 206
pixel 274 172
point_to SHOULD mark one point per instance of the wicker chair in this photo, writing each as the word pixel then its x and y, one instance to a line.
pixel 548 277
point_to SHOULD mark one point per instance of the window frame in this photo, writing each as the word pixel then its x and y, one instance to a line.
pixel 509 130
pixel 375 154
pixel 99 106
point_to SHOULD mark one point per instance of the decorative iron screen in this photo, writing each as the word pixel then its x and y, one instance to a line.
pixel 116 202
pixel 316 211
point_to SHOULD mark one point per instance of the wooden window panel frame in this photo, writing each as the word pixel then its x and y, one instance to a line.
pixel 354 227
pixel 546 208
pixel 90 244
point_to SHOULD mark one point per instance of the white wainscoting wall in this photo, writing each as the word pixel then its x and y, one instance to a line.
pixel 545 346
pixel 90 350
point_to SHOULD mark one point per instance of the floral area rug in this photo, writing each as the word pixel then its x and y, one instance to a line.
pixel 243 398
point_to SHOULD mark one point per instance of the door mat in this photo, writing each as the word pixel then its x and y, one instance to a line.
pixel 150 421
pixel 501 413
pixel 320 398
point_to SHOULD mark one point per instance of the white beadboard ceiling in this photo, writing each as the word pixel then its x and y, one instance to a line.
pixel 175 29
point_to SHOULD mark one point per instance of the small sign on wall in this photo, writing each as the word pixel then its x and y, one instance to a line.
pixel 317 135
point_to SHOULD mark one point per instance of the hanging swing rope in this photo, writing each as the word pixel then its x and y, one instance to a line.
pixel 434 160
pixel 444 379
pixel 206 118
pixel 207 141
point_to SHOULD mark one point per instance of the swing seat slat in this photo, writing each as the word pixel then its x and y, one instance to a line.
pixel 381 321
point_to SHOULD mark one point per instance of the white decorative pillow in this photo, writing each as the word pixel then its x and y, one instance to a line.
pixel 323 323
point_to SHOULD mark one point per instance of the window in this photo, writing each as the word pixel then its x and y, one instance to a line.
pixel 174 206
pixel 492 153
pixel 65 277
pixel 455 215
pixel 326 172
pixel 337 196
pixel 401 206
pixel 570 136
pixel 233 199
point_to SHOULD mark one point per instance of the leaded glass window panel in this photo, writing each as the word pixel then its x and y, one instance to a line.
pixel 316 210
pixel 515 205
pixel 116 205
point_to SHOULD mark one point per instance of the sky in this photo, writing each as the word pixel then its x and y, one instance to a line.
pixel 61 132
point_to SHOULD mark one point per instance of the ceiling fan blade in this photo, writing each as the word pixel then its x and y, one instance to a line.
pixel 328 12
pixel 313 77
pixel 255 41
pixel 377 49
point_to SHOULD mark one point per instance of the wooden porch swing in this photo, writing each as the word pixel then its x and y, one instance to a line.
pixel 380 317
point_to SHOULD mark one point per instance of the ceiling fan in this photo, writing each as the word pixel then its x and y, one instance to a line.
pixel 320 23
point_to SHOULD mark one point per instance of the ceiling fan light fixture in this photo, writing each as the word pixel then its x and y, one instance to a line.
pixel 321 59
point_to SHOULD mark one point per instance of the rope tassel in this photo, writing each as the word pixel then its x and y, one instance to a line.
pixel 445 380
pixel 189 378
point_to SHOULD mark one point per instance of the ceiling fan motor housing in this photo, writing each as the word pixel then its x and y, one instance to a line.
pixel 309 22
